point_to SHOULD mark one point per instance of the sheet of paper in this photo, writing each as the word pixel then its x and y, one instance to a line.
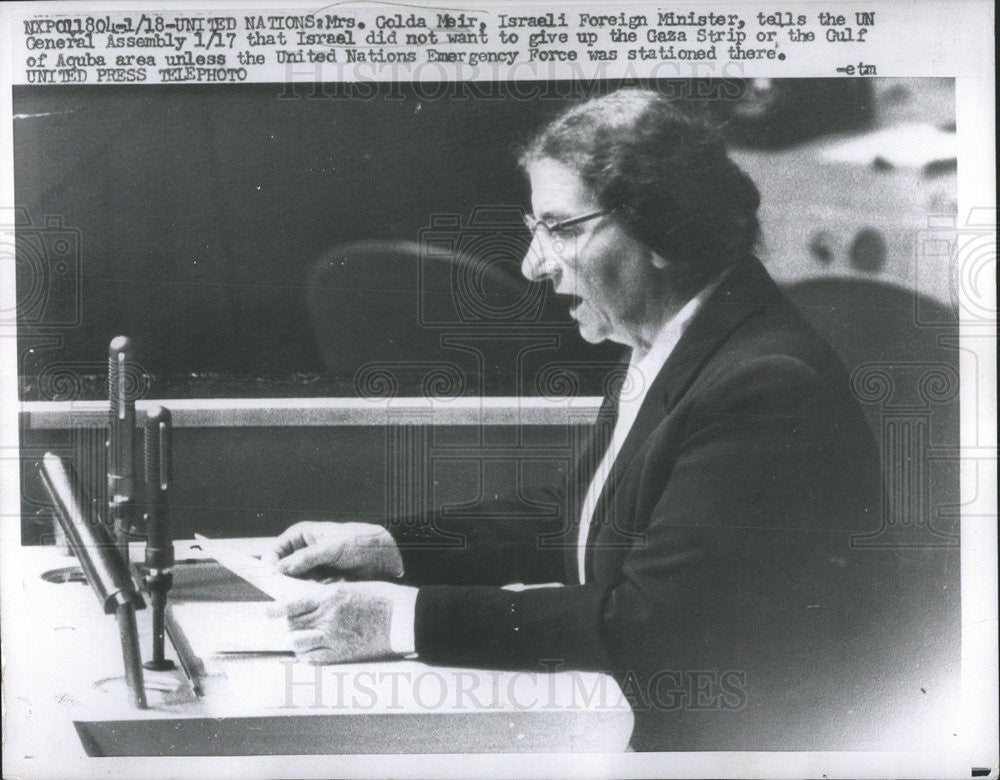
pixel 246 564
pixel 213 628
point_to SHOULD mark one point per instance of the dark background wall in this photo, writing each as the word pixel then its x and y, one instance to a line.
pixel 199 212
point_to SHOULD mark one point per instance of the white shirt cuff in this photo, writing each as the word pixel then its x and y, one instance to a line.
pixel 402 633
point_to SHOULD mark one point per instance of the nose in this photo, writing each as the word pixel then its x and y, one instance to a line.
pixel 537 266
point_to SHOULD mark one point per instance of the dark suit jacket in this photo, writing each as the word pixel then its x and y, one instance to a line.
pixel 722 590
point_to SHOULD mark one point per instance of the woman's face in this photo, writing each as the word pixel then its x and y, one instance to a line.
pixel 608 275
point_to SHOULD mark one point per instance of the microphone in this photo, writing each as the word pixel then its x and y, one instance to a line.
pixel 159 543
pixel 106 572
pixel 121 441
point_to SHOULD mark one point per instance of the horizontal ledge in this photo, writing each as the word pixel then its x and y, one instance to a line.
pixel 291 412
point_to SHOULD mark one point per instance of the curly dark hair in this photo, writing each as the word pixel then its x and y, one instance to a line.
pixel 666 174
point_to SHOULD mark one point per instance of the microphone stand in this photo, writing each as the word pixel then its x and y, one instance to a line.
pixel 159 544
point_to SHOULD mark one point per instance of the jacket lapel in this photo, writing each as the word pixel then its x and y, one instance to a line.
pixel 585 463
pixel 743 291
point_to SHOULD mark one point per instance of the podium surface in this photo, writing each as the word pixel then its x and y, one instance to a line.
pixel 244 694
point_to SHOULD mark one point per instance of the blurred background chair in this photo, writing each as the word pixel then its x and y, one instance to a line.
pixel 408 318
pixel 901 350
pixel 891 334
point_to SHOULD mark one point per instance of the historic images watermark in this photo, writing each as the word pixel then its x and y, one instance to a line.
pixel 462 690
pixel 47 257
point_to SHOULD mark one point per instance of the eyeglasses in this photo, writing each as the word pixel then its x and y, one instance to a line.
pixel 554 226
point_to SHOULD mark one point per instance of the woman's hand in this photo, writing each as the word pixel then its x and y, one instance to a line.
pixel 344 621
pixel 358 550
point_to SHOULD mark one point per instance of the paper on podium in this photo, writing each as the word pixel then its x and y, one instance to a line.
pixel 216 627
pixel 245 562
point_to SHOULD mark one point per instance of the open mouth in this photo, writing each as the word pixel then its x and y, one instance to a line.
pixel 571 300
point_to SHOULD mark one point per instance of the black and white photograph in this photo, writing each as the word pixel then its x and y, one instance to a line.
pixel 571 421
